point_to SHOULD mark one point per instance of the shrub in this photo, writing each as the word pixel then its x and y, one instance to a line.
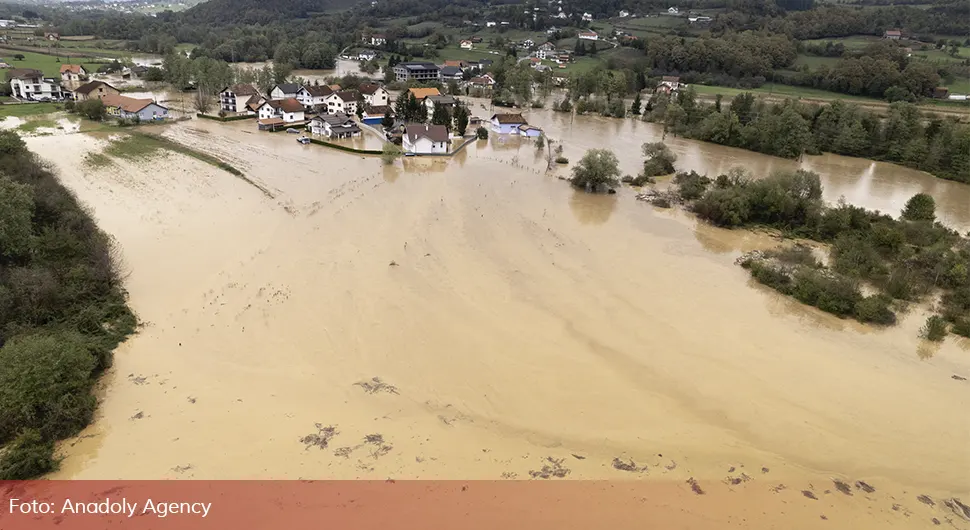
pixel 690 186
pixel 597 169
pixel 562 160
pixel 27 456
pixel 659 160
pixel 724 207
pixel 831 294
pixel 920 207
pixel 481 133
pixel 45 383
pixel 876 310
pixel 934 329
pixel 390 153
pixel 796 255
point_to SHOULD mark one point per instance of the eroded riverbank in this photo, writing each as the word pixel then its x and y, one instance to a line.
pixel 514 319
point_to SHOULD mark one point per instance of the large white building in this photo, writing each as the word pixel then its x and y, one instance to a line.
pixel 425 139
pixel 30 84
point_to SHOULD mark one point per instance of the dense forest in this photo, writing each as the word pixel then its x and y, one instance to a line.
pixel 937 145
pixel 62 312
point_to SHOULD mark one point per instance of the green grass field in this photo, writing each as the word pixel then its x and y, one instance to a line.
pixel 781 91
pixel 454 53
pixel 27 109
pixel 48 64
pixel 959 86
pixel 814 62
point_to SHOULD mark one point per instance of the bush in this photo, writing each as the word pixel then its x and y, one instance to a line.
pixel 934 329
pixel 27 456
pixel 597 169
pixel 562 160
pixel 390 153
pixel 875 310
pixel 92 109
pixel 690 186
pixel 45 384
pixel 831 294
pixel 481 133
pixel 920 207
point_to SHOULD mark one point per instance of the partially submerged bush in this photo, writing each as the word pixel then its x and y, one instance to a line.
pixel 28 456
pixel 934 329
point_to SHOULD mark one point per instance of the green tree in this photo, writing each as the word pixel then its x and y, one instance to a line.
pixel 659 160
pixel 440 116
pixel 461 119
pixel 387 121
pixel 597 169
pixel 16 213
pixel 481 133
pixel 92 109
pixel 389 153
pixel 920 207
pixel 636 106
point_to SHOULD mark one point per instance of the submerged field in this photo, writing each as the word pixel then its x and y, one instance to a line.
pixel 473 317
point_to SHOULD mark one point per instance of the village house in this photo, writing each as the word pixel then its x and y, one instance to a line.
pixel 699 19
pixel 338 125
pixel 234 98
pixel 284 91
pixel 285 110
pixel 416 71
pixel 466 45
pixel 374 114
pixel 589 35
pixel 72 73
pixel 343 101
pixel 368 55
pixel 893 34
pixel 374 95
pixel 30 84
pixel 450 73
pixel 482 82
pixel 447 102
pixel 489 24
pixel 425 139
pixel 133 109
pixel 313 96
pixel 52 36
pixel 507 123
pixel 624 13
pixel 587 17
pixel 530 131
pixel 668 84
pixel 673 11
pixel 528 43
pixel 545 50
pixel 378 39
pixel 94 90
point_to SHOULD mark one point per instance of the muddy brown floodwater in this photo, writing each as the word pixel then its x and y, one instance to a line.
pixel 506 319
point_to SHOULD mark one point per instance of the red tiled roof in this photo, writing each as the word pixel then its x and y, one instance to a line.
pixel 73 68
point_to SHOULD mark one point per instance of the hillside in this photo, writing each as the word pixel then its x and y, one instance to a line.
pixel 225 12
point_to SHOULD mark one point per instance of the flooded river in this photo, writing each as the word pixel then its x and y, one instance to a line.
pixel 481 316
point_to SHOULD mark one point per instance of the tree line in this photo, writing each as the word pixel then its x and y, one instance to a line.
pixel 934 144
pixel 62 312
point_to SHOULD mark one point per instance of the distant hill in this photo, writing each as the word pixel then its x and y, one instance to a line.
pixel 223 12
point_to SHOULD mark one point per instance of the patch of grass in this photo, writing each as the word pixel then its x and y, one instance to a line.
pixel 814 62
pixel 782 91
pixel 27 109
pixel 49 64
pixel 33 125
pixel 137 146
pixel 97 160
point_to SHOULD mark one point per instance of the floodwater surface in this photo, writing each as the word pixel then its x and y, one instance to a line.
pixel 481 316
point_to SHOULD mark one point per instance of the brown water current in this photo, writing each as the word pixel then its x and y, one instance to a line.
pixel 509 319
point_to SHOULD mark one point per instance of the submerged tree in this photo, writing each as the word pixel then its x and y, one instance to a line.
pixel 920 207
pixel 389 153
pixel 659 160
pixel 461 119
pixel 597 169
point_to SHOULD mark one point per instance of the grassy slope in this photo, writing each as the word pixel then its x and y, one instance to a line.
pixel 46 63
pixel 27 109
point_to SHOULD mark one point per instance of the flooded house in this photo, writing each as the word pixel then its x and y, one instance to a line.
pixel 507 123
pixel 334 126
pixel 425 139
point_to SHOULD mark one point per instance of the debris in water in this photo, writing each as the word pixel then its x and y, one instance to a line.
pixel 842 486
pixel 809 494
pixel 925 499
pixel 734 481
pixel 671 466
pixel 731 469
pixel 630 466
pixel 765 470
pixel 509 475
pixel 375 385
pixel 823 517
pixel 191 400
pixel 182 469
pixel 957 507
pixel 778 488
pixel 321 438
pixel 552 468
pixel 140 380
pixel 958 378
pixel 343 451
pixel 694 486
pixel 578 457
pixel 864 487
pixel 138 415
pixel 935 521
pixel 392 264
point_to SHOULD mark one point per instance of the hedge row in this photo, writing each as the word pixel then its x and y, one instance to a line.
pixel 345 148
pixel 227 118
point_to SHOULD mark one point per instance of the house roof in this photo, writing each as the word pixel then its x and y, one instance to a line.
pixel 509 119
pixel 590 33
pixel 348 95
pixel 459 64
pixel 272 121
pixel 318 90
pixel 338 118
pixel 450 71
pixel 893 32
pixel 435 133
pixel 527 127
pixel 24 73
pixel 126 103
pixel 242 89
pixel 421 93
pixel 89 87
pixel 73 68
pixel 288 88
pixel 369 88
pixel 254 102
pixel 482 80
pixel 417 66
pixel 288 105
pixel 442 100
pixel 379 110
pixel 671 78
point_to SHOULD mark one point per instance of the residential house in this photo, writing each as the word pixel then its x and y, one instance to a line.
pixel 343 101
pixel 375 95
pixel 378 39
pixel 425 139
pixel 94 90
pixel 27 83
pixel 545 50
pixel 893 34
pixel 138 71
pixel 460 64
pixel 313 96
pixel 589 35
pixel 375 114
pixel 288 110
pixel 131 108
pixel 941 92
pixel 447 102
pixel 624 13
pixel 72 73
pixel 489 24
pixel 551 29
pixel 476 39
pixel 421 93
pixel 52 36
pixel 466 45
pixel 234 98
pixel 507 123
pixel 528 43
pixel 673 11
pixel 368 55
pixel 699 19
pixel 669 83
pixel 529 131
pixel 587 17
pixel 450 73
pixel 416 71
pixel 338 125
pixel 483 82
pixel 284 91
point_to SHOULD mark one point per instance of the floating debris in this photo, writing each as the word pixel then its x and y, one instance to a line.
pixel 694 486
pixel 864 487
pixel 842 486
pixel 958 508
pixel 321 438
pixel 630 466
pixel 809 494
pixel 552 468
pixel 376 385
pixel 925 499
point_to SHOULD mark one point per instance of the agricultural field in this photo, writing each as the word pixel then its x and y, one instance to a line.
pixel 49 64
pixel 814 62
pixel 27 109
pixel 782 91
